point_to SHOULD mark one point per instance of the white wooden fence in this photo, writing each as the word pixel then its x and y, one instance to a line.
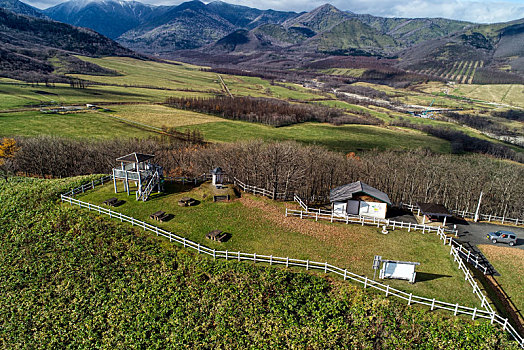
pixel 434 304
pixel 482 217
pixel 259 190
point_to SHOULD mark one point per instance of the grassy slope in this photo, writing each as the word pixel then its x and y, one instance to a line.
pixel 509 263
pixel 344 138
pixel 71 279
pixel 258 225
pixel 71 125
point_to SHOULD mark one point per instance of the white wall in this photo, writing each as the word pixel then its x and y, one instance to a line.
pixel 377 210
pixel 339 208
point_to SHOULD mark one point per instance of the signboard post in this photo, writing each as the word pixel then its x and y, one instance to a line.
pixel 376 265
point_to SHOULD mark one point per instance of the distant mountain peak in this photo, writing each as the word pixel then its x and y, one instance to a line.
pixel 21 8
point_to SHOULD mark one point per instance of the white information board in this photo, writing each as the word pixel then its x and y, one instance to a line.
pixel 403 270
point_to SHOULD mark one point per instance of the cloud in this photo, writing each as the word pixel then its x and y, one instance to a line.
pixel 468 10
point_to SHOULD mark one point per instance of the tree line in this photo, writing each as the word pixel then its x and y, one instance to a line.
pixel 289 167
pixel 264 110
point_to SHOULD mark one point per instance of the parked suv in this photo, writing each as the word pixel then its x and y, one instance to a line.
pixel 503 237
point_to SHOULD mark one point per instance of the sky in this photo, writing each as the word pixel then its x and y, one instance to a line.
pixel 481 11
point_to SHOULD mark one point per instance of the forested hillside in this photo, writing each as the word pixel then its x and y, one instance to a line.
pixel 29 44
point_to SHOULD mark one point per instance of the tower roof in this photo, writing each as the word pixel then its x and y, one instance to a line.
pixel 135 158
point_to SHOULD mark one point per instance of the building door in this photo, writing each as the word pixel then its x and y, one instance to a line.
pixel 353 207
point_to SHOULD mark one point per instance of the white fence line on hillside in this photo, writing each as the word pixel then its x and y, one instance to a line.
pixel 469 215
pixel 289 262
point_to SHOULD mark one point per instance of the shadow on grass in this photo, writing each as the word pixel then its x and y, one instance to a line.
pixel 425 276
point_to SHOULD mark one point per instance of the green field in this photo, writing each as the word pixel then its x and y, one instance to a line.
pixel 72 279
pixel 345 138
pixel 258 225
pixel 78 125
pixel 144 84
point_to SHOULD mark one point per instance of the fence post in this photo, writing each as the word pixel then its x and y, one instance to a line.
pixel 387 291
pixel 226 254
pixel 325 267
pixel 409 300
pixel 198 245
pixel 271 260
pixel 492 317
pixel 474 313
pixel 433 304
pixel 156 230
pixel 255 258
pixel 366 283
pixel 286 212
pixel 287 261
pixel 301 213
pixel 345 274
pixel 456 309
pixel 307 264
pixel 505 324
pixel 120 217
pixel 238 255
pixel 214 254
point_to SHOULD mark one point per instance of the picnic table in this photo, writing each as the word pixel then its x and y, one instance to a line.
pixel 111 201
pixel 160 216
pixel 186 202
pixel 216 235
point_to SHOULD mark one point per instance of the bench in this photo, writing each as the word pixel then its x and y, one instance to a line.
pixel 221 198
pixel 216 235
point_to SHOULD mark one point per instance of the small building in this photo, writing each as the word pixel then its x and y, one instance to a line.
pixel 137 168
pixel 358 198
pixel 217 176
pixel 432 212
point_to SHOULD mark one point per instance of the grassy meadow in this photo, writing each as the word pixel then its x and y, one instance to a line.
pixel 144 84
pixel 258 225
pixel 509 262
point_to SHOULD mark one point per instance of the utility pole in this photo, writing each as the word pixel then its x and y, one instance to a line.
pixel 478 208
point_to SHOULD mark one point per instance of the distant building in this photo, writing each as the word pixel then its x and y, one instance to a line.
pixel 358 198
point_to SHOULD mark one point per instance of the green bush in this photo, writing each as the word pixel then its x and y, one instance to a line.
pixel 71 279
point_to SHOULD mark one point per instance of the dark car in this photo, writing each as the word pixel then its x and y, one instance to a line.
pixel 503 237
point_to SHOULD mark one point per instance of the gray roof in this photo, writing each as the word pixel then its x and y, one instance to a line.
pixel 433 209
pixel 135 158
pixel 346 192
pixel 217 170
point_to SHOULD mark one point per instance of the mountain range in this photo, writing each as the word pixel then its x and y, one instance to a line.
pixel 218 29
pixel 37 48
